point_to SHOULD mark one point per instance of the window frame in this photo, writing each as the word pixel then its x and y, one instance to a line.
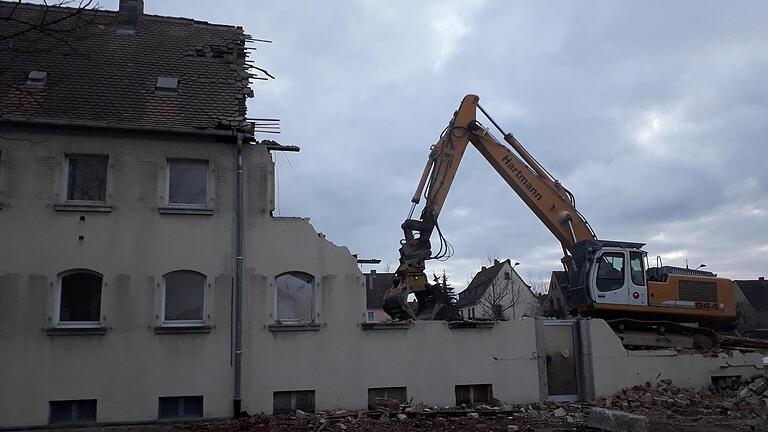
pixel 74 407
pixel 183 323
pixel 57 306
pixel 168 202
pixel 65 193
pixel 313 301
pixel 637 256
pixel 601 261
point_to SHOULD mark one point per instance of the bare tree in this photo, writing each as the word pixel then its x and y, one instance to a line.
pixel 51 26
pixel 500 297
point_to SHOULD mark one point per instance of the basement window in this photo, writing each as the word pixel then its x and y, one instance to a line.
pixel 37 77
pixel 174 407
pixel 72 411
pixel 473 394
pixel 87 178
pixel 286 402
pixel 166 85
pixel 79 299
pixel 183 298
pixel 399 394
pixel 187 183
pixel 295 298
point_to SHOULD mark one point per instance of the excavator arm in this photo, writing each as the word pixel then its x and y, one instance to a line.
pixel 544 195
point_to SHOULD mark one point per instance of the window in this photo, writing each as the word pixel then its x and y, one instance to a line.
pixel 610 273
pixel 183 298
pixel 399 394
pixel 371 316
pixel 79 299
pixel 473 394
pixel 286 402
pixel 507 276
pixel 188 183
pixel 636 268
pixel 166 85
pixel 72 411
pixel 87 178
pixel 180 407
pixel 295 297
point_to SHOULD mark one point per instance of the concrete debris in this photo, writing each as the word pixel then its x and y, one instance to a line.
pixel 616 421
pixel 729 404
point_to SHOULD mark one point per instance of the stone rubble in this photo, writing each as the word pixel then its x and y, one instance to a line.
pixel 729 404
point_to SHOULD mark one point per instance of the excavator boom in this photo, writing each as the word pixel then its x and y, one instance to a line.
pixel 544 195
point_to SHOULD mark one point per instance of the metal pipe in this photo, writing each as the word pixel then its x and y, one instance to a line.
pixel 237 403
pixel 511 140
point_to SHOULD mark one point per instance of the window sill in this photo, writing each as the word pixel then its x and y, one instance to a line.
pixel 186 210
pixel 470 324
pixel 83 207
pixel 170 329
pixel 394 325
pixel 76 331
pixel 293 327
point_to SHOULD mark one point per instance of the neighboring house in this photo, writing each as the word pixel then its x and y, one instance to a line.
pixel 497 292
pixel 752 304
pixel 376 284
pixel 554 303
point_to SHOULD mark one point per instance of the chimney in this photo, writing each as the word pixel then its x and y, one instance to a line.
pixel 495 261
pixel 482 268
pixel 128 15
pixel 373 272
pixel 761 278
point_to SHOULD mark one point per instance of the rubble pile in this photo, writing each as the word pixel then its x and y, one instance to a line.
pixel 729 396
pixel 729 404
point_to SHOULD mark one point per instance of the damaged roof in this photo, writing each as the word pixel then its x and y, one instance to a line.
pixel 756 292
pixel 99 76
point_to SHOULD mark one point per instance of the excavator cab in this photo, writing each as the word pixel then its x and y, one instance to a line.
pixel 617 276
pixel 607 272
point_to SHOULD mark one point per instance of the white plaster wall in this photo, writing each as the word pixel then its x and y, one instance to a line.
pixel 341 360
pixel 130 366
pixel 616 368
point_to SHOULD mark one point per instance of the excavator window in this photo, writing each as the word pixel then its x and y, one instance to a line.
pixel 636 268
pixel 610 273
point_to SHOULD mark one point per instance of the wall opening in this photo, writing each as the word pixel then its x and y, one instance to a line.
pixel 180 407
pixel 72 411
pixel 399 394
pixel 473 394
pixel 286 402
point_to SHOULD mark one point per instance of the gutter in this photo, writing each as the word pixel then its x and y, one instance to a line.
pixel 209 131
pixel 237 402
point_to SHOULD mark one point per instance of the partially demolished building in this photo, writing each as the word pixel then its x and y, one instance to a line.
pixel 141 280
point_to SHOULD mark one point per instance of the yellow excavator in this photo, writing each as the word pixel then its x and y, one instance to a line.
pixel 649 307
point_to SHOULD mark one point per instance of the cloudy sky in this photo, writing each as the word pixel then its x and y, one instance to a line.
pixel 654 114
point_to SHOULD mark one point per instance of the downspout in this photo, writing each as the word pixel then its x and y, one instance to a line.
pixel 237 403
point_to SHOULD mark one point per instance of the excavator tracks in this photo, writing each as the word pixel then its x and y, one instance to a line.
pixel 640 334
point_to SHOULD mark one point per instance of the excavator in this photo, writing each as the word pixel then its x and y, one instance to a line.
pixel 647 307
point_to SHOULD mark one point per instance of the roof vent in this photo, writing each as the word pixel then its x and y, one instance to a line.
pixel 167 86
pixel 36 77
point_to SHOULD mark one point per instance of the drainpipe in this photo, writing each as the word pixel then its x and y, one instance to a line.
pixel 237 403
